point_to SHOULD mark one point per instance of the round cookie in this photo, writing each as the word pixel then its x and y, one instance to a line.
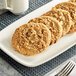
pixel 52 24
pixel 63 17
pixel 71 8
pixel 30 39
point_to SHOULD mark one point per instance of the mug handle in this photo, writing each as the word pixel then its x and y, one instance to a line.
pixel 6 5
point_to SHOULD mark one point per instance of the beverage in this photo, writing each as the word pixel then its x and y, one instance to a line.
pixel 17 6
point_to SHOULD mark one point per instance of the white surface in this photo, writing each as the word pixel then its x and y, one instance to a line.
pixel 62 45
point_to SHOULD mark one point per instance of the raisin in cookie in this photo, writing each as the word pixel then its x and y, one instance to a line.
pixel 63 17
pixel 30 39
pixel 71 8
pixel 52 24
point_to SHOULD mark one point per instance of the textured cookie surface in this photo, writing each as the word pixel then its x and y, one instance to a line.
pixel 52 24
pixel 30 39
pixel 71 8
pixel 63 17
pixel 74 1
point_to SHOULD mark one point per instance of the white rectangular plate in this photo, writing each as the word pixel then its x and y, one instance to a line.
pixel 31 61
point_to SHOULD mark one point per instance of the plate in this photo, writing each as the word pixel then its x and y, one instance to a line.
pixel 32 61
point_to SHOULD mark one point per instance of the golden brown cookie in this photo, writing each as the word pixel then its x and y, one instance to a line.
pixel 52 24
pixel 63 17
pixel 71 8
pixel 30 39
pixel 74 1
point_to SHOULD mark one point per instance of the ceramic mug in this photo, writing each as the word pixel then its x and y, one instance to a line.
pixel 16 6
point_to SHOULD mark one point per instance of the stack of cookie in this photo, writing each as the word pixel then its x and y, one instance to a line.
pixel 35 36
